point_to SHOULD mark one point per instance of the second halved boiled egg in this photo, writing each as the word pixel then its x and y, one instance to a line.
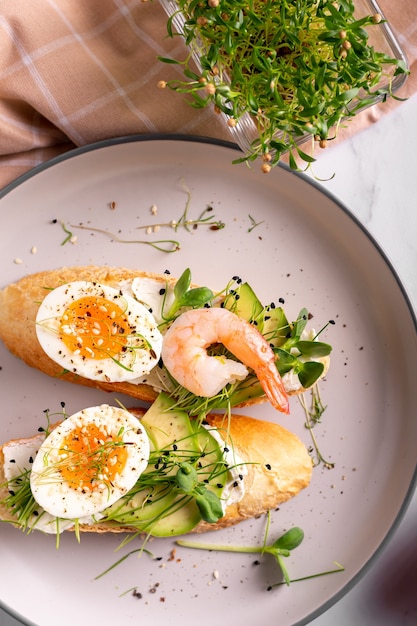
pixel 89 462
pixel 98 332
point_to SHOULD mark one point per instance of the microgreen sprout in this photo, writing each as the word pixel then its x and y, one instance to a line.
pixel 140 551
pixel 280 549
pixel 68 233
pixel 254 224
pixel 186 296
pixel 206 218
pixel 208 503
pixel 163 245
pixel 296 69
pixel 313 414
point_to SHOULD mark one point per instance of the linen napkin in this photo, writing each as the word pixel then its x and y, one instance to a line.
pixel 89 71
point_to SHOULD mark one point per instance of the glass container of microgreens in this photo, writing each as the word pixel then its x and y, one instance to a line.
pixel 282 72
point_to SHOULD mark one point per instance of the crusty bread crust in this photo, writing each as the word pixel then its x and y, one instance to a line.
pixel 278 468
pixel 19 303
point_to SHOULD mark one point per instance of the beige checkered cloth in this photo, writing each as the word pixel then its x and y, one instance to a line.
pixel 74 72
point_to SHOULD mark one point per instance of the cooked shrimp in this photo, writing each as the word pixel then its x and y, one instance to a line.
pixel 184 353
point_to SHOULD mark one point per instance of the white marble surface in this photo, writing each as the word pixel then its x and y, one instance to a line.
pixel 376 178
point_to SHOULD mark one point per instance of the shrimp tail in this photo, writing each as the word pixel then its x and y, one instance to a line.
pixel 273 386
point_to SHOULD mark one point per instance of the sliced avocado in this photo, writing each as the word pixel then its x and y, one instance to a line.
pixel 183 518
pixel 211 471
pixel 244 302
pixel 156 505
pixel 211 464
pixel 161 512
pixel 275 326
pixel 167 427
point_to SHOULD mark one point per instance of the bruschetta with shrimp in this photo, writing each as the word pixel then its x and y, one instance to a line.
pixel 140 334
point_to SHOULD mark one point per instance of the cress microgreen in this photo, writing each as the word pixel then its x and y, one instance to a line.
pixel 298 69
pixel 280 549
pixel 162 245
pixel 313 415
pixel 208 503
pixel 186 297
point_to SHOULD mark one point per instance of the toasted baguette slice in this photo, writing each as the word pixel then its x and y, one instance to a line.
pixel 19 303
pixel 278 468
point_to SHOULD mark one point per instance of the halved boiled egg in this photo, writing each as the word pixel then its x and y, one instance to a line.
pixel 98 332
pixel 89 462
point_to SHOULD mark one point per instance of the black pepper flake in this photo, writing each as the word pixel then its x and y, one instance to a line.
pixel 268 466
pixel 162 291
pixel 281 301
pixel 219 485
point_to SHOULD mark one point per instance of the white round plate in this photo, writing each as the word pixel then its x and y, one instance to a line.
pixel 289 240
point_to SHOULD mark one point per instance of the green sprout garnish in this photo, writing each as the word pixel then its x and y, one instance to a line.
pixel 280 549
pixel 68 233
pixel 206 218
pixel 313 414
pixel 163 245
pixel 186 297
pixel 294 351
pixel 208 503
pixel 254 223
pixel 297 69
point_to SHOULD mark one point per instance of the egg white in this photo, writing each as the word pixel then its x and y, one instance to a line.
pixel 62 500
pixel 143 350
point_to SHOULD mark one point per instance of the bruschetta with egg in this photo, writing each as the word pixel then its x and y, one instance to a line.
pixel 154 471
pixel 139 333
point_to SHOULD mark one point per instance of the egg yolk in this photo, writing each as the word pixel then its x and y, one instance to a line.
pixel 94 327
pixel 91 459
